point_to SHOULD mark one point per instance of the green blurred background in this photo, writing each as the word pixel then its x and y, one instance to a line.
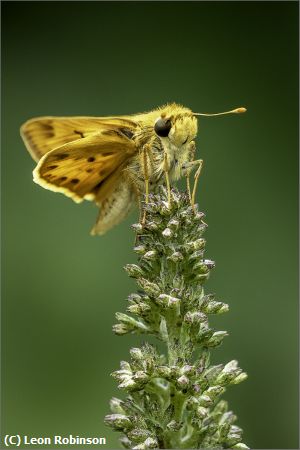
pixel 62 287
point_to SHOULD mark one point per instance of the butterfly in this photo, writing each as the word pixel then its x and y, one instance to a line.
pixel 113 160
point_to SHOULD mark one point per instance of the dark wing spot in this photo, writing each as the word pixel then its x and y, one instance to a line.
pixel 91 159
pixel 128 133
pixel 46 126
pixel 51 167
pixel 107 153
pixel 79 132
pixel 63 178
pixel 49 134
pixel 99 185
pixel 103 172
pixel 74 180
pixel 62 155
pixel 47 130
pixel 89 170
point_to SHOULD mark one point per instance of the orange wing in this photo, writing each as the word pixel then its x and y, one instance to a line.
pixel 43 134
pixel 87 168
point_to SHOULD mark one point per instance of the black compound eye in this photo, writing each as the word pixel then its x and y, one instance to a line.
pixel 162 127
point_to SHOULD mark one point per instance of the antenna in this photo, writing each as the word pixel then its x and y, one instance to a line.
pixel 233 111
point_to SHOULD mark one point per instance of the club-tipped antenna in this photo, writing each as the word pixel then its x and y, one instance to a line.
pixel 233 111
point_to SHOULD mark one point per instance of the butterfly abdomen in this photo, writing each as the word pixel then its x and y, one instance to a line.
pixel 114 208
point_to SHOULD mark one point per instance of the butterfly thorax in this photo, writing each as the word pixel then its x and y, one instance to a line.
pixel 157 153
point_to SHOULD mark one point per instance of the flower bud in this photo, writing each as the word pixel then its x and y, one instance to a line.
pixel 216 338
pixel 126 443
pixel 201 267
pixel 201 228
pixel 199 215
pixel 164 207
pixel 151 255
pixel 164 372
pixel 214 307
pixel 195 317
pixel 205 400
pixel 174 426
pixel 149 288
pixel 241 377
pixel 234 435
pixel 192 403
pixel 152 226
pixel 167 233
pixel 125 366
pixel 134 298
pixel 228 417
pixel 173 223
pixel 133 270
pixel 201 277
pixel 241 446
pixel 188 370
pixel 141 446
pixel 151 443
pixel 128 384
pixel 138 227
pixel 140 378
pixel 176 257
pixel 223 430
pixel 119 422
pixel 229 372
pixel 231 366
pixel 196 388
pixel 139 309
pixel 204 334
pixel 140 249
pixel 139 434
pixel 116 405
pixel 212 372
pixel 202 412
pixel 122 374
pixel 119 329
pixel 214 391
pixel 221 407
pixel 136 353
pixel 167 301
pixel 209 263
pixel 183 381
pixel 198 244
pixel 196 255
pixel 129 323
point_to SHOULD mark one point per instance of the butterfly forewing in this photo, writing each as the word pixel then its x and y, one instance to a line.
pixel 87 167
pixel 47 133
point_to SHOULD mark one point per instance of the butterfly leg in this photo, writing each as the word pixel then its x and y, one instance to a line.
pixel 166 169
pixel 187 171
pixel 188 184
pixel 144 164
pixel 190 164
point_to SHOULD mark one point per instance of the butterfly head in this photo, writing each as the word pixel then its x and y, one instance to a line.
pixel 176 127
